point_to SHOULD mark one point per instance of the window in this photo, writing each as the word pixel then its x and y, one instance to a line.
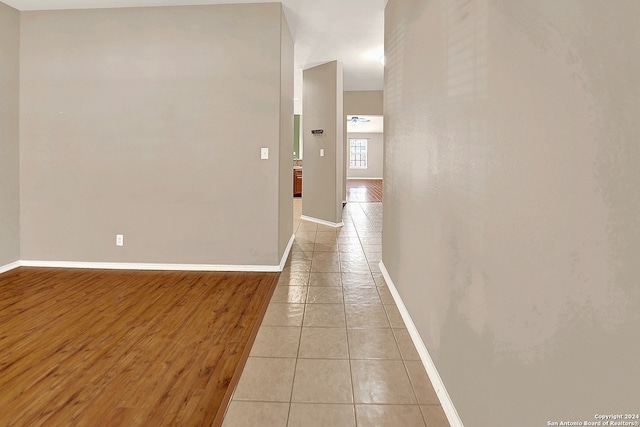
pixel 357 153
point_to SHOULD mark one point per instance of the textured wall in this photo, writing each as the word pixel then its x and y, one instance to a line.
pixel 9 142
pixel 148 122
pixel 512 204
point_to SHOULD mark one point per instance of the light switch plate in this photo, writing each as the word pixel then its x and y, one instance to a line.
pixel 322 152
pixel 264 153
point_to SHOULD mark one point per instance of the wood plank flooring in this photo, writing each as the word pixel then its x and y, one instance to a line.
pixel 104 347
pixel 364 190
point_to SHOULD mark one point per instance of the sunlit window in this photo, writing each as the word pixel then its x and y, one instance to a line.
pixel 357 153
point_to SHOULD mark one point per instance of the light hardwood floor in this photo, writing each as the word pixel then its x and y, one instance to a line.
pixel 364 190
pixel 100 347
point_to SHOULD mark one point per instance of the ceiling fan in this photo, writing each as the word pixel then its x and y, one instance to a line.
pixel 355 120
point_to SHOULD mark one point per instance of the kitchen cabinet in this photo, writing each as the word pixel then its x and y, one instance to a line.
pixel 297 182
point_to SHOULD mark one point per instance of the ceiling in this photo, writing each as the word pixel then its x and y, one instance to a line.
pixel 350 31
pixel 375 124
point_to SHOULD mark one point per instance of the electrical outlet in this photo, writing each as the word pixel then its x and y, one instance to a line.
pixel 264 153
pixel 119 240
pixel 322 152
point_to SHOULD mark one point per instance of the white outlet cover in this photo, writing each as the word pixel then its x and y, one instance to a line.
pixel 264 153
pixel 322 152
pixel 119 240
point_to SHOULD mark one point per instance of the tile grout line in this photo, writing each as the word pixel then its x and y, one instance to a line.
pixel 304 312
pixel 353 389
pixel 295 366
pixel 346 325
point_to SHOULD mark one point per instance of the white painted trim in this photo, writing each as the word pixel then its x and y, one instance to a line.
pixel 152 266
pixel 283 261
pixel 357 177
pixel 10 266
pixel 322 221
pixel 434 376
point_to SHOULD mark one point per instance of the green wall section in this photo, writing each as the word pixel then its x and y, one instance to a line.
pixel 296 136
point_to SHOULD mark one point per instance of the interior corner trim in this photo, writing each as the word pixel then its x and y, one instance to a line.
pixel 10 266
pixel 285 256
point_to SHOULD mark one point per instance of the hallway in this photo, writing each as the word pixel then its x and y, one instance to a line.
pixel 332 349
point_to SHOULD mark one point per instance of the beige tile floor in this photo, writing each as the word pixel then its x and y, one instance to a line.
pixel 332 349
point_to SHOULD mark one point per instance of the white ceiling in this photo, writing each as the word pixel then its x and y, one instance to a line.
pixel 374 125
pixel 350 31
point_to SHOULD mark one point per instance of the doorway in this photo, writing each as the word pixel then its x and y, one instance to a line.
pixel 364 155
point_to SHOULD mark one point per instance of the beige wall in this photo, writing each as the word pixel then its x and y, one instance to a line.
pixel 9 134
pixel 285 224
pixel 148 122
pixel 511 225
pixel 363 102
pixel 323 177
pixel 375 154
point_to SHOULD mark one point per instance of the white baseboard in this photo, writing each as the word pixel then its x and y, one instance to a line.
pixel 322 221
pixel 283 261
pixel 152 266
pixel 11 266
pixel 430 367
pixel 357 177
